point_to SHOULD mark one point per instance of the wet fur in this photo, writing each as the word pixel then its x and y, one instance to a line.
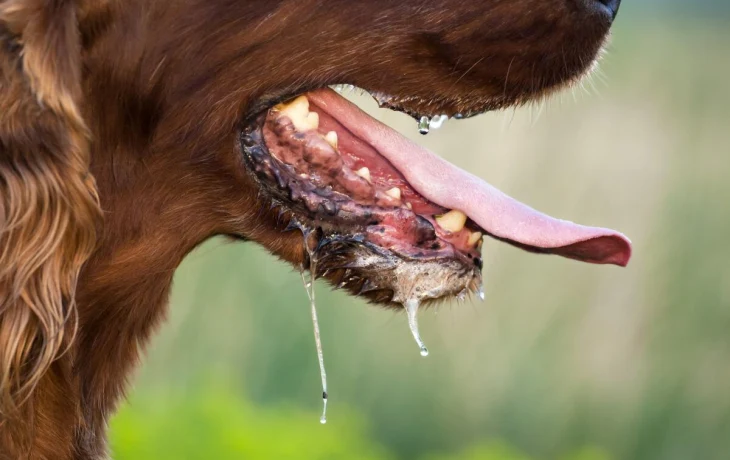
pixel 139 103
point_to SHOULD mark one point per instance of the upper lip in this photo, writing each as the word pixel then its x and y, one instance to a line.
pixel 415 107
pixel 418 107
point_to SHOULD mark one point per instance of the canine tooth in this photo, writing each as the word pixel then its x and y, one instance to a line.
pixel 313 120
pixel 474 239
pixel 453 221
pixel 331 138
pixel 364 172
pixel 394 193
pixel 297 105
pixel 409 206
pixel 299 114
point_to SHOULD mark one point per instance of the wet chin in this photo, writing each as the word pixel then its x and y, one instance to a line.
pixel 384 276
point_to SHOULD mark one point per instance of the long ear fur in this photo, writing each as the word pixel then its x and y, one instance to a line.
pixel 48 203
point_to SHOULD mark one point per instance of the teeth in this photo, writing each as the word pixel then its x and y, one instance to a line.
pixel 331 138
pixel 313 120
pixel 394 193
pixel 474 239
pixel 298 112
pixel 299 105
pixel 453 221
pixel 409 206
pixel 364 173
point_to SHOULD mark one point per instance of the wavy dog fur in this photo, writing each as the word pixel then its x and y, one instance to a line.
pixel 48 204
pixel 136 106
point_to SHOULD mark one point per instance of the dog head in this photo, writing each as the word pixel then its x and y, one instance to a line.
pixel 190 117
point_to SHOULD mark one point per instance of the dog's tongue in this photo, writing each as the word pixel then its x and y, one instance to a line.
pixel 451 187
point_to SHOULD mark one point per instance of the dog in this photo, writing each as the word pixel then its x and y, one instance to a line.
pixel 133 130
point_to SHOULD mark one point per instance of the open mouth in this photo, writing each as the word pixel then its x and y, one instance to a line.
pixel 394 221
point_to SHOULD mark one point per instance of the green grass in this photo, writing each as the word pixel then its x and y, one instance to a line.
pixel 219 424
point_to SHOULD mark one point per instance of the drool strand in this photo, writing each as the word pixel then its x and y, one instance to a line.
pixel 411 306
pixel 309 287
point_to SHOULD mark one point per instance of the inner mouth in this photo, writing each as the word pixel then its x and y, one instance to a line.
pixel 411 213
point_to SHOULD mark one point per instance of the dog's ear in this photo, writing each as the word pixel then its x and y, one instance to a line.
pixel 48 204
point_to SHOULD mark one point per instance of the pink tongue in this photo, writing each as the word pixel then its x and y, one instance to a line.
pixel 451 187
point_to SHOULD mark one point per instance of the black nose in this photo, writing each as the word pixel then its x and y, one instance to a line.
pixel 610 7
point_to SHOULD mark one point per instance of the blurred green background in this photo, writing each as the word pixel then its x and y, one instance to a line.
pixel 562 361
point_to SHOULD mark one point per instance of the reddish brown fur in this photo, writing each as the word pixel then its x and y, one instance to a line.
pixel 165 88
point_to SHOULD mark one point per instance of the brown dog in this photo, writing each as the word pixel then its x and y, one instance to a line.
pixel 133 130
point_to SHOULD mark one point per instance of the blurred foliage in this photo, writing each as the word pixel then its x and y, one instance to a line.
pixel 219 424
pixel 563 362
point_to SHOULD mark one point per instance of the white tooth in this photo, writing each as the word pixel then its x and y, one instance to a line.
pixel 394 193
pixel 474 239
pixel 313 120
pixel 453 221
pixel 298 112
pixel 298 105
pixel 409 206
pixel 331 137
pixel 364 172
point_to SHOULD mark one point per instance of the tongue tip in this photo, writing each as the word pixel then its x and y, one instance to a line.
pixel 622 256
pixel 609 249
pixel 602 247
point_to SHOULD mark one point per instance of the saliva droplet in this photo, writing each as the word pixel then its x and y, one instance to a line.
pixel 423 125
pixel 411 307
pixel 323 418
pixel 437 121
